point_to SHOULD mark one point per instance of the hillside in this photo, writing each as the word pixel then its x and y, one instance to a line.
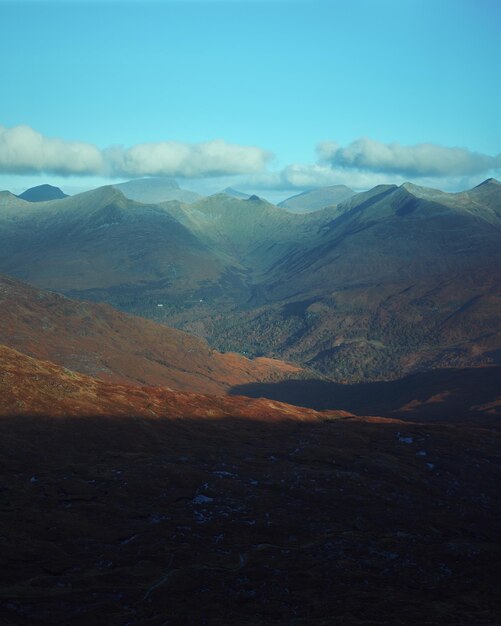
pixel 127 505
pixel 32 387
pixel 396 282
pixel 389 282
pixel 252 232
pixel 97 340
pixel 103 246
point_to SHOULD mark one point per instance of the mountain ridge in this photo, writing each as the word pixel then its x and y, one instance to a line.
pixel 391 280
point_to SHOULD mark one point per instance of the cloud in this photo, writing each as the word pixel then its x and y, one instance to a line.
pixel 426 159
pixel 23 150
pixel 170 158
pixel 26 151
pixel 303 176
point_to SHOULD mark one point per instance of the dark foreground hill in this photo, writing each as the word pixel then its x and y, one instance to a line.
pixel 129 506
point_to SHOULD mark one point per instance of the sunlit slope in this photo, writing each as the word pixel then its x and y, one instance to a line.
pixel 98 340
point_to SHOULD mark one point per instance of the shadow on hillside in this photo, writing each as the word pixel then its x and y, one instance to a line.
pixel 446 394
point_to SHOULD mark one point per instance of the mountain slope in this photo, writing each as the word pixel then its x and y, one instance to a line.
pixel 252 232
pixel 101 245
pixel 392 281
pixel 400 279
pixel 127 505
pixel 96 339
pixel 33 387
pixel 317 199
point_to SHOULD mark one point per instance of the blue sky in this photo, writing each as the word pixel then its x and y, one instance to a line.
pixel 268 96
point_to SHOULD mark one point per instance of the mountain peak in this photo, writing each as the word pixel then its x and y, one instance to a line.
pixel 42 193
pixel 317 199
pixel 155 190
pixel 229 191
pixel 489 181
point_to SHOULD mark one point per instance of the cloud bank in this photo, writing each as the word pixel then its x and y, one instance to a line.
pixel 426 159
pixel 24 150
pixel 362 164
pixel 170 158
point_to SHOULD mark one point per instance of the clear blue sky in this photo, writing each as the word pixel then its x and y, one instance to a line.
pixel 282 76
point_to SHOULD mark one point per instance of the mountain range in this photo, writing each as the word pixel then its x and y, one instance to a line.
pixel 389 282
pixel 321 448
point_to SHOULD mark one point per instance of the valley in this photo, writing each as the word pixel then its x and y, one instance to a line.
pixel 221 411
pixel 389 282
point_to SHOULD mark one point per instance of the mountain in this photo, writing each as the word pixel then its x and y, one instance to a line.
pixel 97 340
pixel 251 232
pixel 316 199
pixel 127 504
pixel 155 190
pixel 100 245
pixel 392 281
pixel 395 280
pixel 42 193
pixel 234 193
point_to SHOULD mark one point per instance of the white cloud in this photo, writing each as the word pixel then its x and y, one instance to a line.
pixel 26 151
pixel 302 176
pixel 170 158
pixel 426 159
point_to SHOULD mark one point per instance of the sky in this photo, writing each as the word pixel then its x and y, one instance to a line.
pixel 271 97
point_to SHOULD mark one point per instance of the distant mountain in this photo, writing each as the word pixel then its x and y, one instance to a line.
pixel 42 193
pixel 100 240
pixel 97 340
pixel 229 191
pixel 251 232
pixel 155 190
pixel 317 198
pixel 389 282
pixel 401 279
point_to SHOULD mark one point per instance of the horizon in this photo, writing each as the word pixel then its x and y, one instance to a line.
pixel 221 191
